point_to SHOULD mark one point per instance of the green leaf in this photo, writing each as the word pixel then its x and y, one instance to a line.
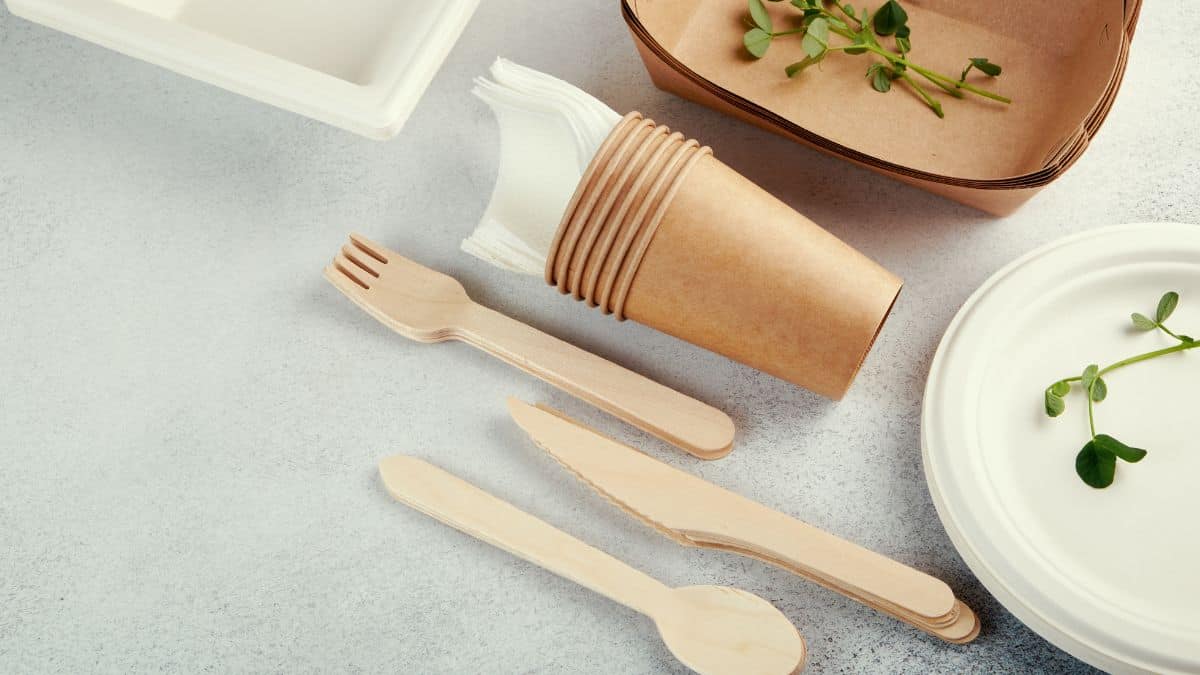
pixel 903 32
pixel 1187 338
pixel 988 68
pixel 1099 390
pixel 858 40
pixel 881 78
pixel 903 44
pixel 849 10
pixel 1061 388
pixel 1095 465
pixel 762 19
pixel 757 41
pixel 890 18
pixel 797 67
pixel 1089 376
pixel 812 46
pixel 1118 449
pixel 1166 306
pixel 1143 322
pixel 816 40
pixel 1055 405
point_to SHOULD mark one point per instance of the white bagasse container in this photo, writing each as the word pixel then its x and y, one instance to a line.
pixel 357 64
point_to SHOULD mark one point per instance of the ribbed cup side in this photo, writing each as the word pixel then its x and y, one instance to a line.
pixel 663 233
pixel 613 215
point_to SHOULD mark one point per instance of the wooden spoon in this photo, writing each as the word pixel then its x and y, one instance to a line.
pixel 713 630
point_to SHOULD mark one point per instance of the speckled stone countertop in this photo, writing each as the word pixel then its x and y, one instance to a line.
pixel 190 416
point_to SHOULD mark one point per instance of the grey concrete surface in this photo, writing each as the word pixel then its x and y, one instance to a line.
pixel 190 416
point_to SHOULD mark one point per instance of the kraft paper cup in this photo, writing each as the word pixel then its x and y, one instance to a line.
pixel 647 231
pixel 630 198
pixel 644 140
pixel 688 246
pixel 630 229
pixel 598 161
pixel 627 135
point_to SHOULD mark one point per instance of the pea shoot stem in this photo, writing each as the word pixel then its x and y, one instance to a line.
pixel 929 101
pixel 1096 462
pixel 863 31
pixel 1181 347
pixel 938 76
pixel 1091 414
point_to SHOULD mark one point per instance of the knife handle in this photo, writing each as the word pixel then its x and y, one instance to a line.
pixel 680 420
pixel 465 507
pixel 862 574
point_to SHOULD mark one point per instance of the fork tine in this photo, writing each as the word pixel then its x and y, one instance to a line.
pixel 366 262
pixel 371 248
pixel 340 281
pixel 351 272
pixel 348 287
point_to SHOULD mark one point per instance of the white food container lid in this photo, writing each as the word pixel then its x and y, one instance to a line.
pixel 357 64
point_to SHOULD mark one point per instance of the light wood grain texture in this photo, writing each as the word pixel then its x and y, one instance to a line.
pixel 429 306
pixel 695 512
pixel 714 630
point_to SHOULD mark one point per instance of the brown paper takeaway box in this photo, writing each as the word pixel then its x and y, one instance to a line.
pixel 661 232
pixel 1061 75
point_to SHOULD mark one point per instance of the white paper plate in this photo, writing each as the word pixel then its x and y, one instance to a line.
pixel 358 64
pixel 1111 576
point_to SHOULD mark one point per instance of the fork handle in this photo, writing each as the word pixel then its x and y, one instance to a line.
pixel 680 420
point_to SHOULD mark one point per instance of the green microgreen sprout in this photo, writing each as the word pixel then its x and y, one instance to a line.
pixel 865 33
pixel 1096 463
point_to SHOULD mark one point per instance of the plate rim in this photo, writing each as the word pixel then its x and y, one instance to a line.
pixel 1012 600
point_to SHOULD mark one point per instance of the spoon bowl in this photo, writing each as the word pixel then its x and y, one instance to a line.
pixel 719 630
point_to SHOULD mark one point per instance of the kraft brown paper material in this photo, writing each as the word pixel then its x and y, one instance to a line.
pixel 602 265
pixel 642 140
pixel 674 77
pixel 649 228
pixel 566 230
pixel 996 202
pixel 737 271
pixel 651 186
pixel 584 220
pixel 1062 83
pixel 1054 76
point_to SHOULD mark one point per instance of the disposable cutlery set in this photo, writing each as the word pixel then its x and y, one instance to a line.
pixel 710 629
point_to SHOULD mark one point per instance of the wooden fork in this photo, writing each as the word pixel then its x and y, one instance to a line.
pixel 429 306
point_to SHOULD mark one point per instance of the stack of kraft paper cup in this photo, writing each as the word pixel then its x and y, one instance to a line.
pixel 662 232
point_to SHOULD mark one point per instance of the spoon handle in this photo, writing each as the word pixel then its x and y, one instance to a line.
pixel 465 507
pixel 680 420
